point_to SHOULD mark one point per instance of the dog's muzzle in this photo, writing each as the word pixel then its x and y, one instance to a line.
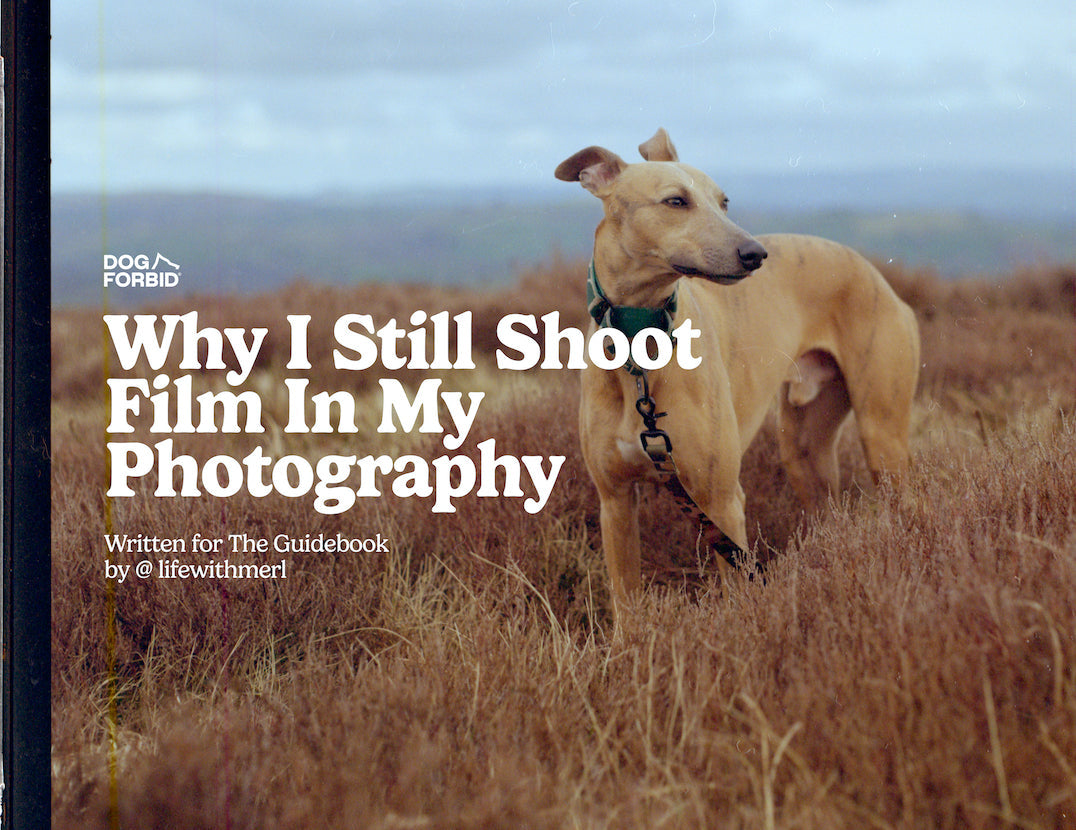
pixel 750 254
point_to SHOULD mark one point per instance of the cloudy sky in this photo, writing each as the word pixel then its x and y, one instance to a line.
pixel 296 98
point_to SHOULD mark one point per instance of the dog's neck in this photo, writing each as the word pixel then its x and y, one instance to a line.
pixel 630 320
pixel 628 281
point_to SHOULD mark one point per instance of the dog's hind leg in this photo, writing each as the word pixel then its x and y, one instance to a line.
pixel 883 429
pixel 882 395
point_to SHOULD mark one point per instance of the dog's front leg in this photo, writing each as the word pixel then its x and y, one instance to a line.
pixel 722 500
pixel 620 539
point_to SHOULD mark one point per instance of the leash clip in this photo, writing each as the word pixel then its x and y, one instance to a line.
pixel 645 406
pixel 656 442
pixel 658 447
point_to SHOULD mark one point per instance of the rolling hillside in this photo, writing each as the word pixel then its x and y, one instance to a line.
pixel 241 244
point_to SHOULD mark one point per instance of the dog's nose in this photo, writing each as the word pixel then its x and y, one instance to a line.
pixel 751 255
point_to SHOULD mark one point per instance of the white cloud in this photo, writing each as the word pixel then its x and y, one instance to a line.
pixel 279 96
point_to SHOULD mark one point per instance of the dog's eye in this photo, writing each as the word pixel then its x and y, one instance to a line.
pixel 675 201
pixel 725 204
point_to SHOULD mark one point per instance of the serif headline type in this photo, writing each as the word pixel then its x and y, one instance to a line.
pixel 435 342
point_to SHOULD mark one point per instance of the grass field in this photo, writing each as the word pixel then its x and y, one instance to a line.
pixel 909 661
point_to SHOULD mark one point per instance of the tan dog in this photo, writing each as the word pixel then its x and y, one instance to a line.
pixel 815 324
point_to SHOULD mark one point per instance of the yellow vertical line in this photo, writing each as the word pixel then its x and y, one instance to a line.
pixel 110 587
pixel 110 618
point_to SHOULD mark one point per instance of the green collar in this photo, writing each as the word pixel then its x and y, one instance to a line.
pixel 628 319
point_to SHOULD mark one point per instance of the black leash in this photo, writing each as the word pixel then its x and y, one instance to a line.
pixel 656 442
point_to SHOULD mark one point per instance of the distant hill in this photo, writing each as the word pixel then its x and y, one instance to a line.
pixel 240 244
pixel 227 243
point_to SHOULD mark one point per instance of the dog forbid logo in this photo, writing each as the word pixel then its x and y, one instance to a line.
pixel 135 271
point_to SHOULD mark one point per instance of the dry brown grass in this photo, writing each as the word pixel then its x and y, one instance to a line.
pixel 909 662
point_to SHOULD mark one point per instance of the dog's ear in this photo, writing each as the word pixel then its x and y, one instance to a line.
pixel 658 147
pixel 595 168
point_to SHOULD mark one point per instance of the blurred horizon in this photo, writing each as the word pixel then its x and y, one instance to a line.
pixel 470 237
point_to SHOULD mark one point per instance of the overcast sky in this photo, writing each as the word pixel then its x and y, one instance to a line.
pixel 286 97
